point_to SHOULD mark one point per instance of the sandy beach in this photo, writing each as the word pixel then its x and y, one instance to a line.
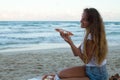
pixel 23 65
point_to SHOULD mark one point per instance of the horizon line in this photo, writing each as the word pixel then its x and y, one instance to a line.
pixel 53 20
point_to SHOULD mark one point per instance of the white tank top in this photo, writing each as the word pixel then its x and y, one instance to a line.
pixel 92 62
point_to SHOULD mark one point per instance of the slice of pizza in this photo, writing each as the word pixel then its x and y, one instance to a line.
pixel 64 31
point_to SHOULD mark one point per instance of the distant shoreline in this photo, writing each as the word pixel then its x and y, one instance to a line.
pixel 42 46
pixel 48 48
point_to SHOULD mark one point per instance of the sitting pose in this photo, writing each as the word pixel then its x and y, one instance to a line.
pixel 92 51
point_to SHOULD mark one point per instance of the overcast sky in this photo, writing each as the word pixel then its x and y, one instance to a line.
pixel 57 9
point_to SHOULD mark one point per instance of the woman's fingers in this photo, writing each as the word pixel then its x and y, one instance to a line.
pixel 66 37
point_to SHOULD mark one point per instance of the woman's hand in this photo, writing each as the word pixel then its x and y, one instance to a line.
pixel 66 37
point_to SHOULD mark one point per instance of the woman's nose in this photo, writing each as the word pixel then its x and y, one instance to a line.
pixel 80 20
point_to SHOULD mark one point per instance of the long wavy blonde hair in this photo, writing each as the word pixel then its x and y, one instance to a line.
pixel 97 31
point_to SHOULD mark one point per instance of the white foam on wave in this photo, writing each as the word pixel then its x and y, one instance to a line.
pixel 38 47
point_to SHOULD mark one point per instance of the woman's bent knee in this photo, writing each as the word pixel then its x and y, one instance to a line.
pixel 72 72
pixel 62 74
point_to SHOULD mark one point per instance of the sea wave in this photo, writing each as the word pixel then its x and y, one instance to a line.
pixel 13 34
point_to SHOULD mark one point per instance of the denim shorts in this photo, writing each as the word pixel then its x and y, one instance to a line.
pixel 97 73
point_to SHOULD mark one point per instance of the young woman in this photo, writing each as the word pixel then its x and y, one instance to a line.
pixel 92 51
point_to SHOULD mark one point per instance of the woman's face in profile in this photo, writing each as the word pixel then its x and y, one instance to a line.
pixel 84 21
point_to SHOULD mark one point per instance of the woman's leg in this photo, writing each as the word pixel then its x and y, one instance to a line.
pixel 74 72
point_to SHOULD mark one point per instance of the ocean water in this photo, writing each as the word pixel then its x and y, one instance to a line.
pixel 28 35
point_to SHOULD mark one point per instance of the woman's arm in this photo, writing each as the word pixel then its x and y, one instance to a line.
pixel 76 51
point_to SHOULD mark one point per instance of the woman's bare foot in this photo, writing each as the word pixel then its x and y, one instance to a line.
pixel 48 77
